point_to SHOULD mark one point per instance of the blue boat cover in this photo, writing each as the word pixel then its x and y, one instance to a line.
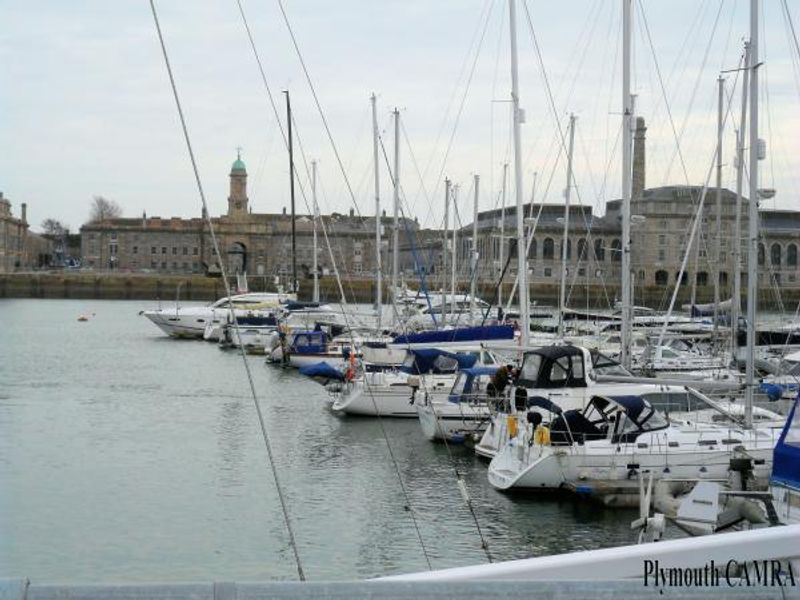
pixel 322 371
pixel 476 371
pixel 786 456
pixel 460 334
pixel 425 360
pixel 545 403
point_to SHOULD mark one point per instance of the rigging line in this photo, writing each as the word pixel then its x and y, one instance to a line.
pixel 679 152
pixel 214 241
pixel 486 7
pixel 500 38
pixel 790 22
pixel 460 107
pixel 318 105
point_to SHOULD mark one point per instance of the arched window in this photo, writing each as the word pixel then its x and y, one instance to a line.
pixel 581 249
pixel 761 254
pixel 662 278
pixel 561 249
pixel 702 278
pixel 548 248
pixel 532 250
pixel 684 279
pixel 599 250
pixel 616 251
pixel 775 255
pixel 791 255
pixel 723 278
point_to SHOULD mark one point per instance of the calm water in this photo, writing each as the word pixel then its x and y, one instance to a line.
pixel 128 456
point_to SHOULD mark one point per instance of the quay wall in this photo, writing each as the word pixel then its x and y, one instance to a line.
pixel 139 286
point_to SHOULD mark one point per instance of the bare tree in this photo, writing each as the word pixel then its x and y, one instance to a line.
pixel 104 209
pixel 54 228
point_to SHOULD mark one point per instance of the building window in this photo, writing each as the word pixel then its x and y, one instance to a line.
pixel 153 264
pixel 569 249
pixel 174 266
pixel 582 272
pixel 136 249
pixel 533 249
pixel 662 254
pixel 185 266
pixel 702 278
pixel 185 251
pixel 641 276
pixel 548 272
pixel 153 250
pixel 164 265
pixel 616 251
pixel 683 279
pixel 599 250
pixel 174 250
pixel 723 278
pixel 358 267
pixel 775 255
pixel 548 248
pixel 662 239
pixel 662 278
pixel 194 251
pixel 581 249
pixel 195 267
pixel 163 250
pixel 791 255
pixel 761 253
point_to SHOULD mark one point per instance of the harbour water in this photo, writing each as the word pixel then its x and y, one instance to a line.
pixel 126 456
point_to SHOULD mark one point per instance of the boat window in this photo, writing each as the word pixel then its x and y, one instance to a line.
pixel 530 368
pixel 458 386
pixel 577 367
pixel 668 402
pixel 667 353
pixel 488 359
pixel 445 364
pixel 560 370
pixel 652 420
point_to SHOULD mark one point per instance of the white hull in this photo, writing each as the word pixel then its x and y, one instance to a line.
pixel 389 399
pixel 303 360
pixel 443 420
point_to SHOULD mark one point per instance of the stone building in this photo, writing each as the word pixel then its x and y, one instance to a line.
pixel 13 237
pixel 254 243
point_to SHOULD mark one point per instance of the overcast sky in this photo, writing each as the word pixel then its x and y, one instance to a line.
pixel 86 108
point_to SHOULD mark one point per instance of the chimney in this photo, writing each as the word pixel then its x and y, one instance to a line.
pixel 144 219
pixel 352 212
pixel 284 211
pixel 383 212
pixel 638 160
pixel 24 209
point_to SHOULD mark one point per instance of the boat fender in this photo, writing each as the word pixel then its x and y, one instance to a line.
pixel 511 422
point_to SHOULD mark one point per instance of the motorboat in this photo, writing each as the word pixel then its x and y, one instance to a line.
pixel 191 321
pixel 250 331
pixel 464 412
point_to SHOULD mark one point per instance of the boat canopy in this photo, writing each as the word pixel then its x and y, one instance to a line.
pixel 786 456
pixel 553 367
pixel 541 402
pixel 432 360
pixel 309 342
pixel 471 381
pixel 322 372
pixel 459 334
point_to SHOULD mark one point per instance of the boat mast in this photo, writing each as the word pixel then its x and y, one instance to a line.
pixel 445 248
pixel 502 233
pixel 716 260
pixel 473 287
pixel 455 252
pixel 519 118
pixel 315 296
pixel 752 225
pixel 565 239
pixel 627 111
pixel 378 274
pixel 736 302
pixel 291 190
pixel 396 225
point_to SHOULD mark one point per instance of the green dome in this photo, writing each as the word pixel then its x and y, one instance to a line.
pixel 238 165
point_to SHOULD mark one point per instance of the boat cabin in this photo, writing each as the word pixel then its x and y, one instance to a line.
pixel 423 361
pixel 470 384
pixel 554 367
pixel 620 419
pixel 309 342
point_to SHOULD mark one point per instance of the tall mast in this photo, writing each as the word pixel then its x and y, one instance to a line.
pixel 502 233
pixel 378 266
pixel 455 251
pixel 519 118
pixel 473 287
pixel 736 303
pixel 627 111
pixel 396 227
pixel 291 190
pixel 314 267
pixel 752 229
pixel 565 239
pixel 716 260
pixel 445 249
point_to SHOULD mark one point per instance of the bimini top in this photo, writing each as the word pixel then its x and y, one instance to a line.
pixel 633 405
pixel 553 367
pixel 460 334
pixel 432 360
pixel 786 456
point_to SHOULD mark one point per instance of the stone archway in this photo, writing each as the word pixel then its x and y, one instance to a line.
pixel 237 258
